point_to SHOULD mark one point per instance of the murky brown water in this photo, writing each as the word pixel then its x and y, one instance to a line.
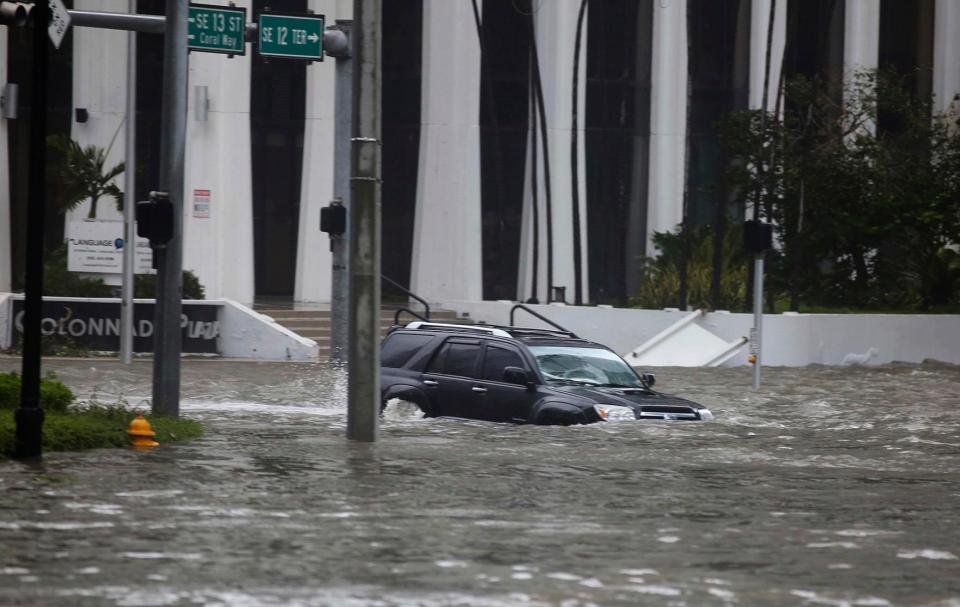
pixel 830 486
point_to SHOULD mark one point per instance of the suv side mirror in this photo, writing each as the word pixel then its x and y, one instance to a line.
pixel 516 375
pixel 649 379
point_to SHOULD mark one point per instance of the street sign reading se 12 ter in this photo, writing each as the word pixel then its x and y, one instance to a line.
pixel 217 29
pixel 291 36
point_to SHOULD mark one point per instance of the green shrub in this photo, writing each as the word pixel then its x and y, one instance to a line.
pixel 58 281
pixel 145 286
pixel 661 283
pixel 54 395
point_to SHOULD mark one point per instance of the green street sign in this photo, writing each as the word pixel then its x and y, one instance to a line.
pixel 216 29
pixel 291 36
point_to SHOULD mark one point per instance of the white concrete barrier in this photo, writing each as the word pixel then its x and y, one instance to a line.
pixel 789 340
pixel 245 333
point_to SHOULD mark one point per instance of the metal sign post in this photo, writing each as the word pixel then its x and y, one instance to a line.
pixel 756 335
pixel 343 127
pixel 129 188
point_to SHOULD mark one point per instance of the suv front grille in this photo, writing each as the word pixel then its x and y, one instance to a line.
pixel 667 412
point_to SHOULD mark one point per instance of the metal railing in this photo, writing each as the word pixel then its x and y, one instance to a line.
pixel 540 316
pixel 408 293
pixel 396 317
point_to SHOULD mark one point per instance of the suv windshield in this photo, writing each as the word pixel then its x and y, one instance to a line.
pixel 593 366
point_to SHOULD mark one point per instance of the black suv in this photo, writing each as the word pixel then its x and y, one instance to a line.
pixel 526 376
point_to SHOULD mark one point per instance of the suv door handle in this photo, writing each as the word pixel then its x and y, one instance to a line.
pixel 478 389
pixel 430 382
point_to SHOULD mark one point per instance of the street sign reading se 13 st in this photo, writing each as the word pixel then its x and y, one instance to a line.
pixel 217 29
pixel 291 36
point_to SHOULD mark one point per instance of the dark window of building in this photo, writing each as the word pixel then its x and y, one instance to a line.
pixel 815 40
pixel 617 138
pixel 59 118
pixel 277 102
pixel 504 102
pixel 906 49
pixel 401 81
pixel 400 347
pixel 719 65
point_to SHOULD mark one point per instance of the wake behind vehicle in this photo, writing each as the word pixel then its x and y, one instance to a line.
pixel 519 375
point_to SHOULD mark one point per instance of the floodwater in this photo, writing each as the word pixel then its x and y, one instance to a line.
pixel 829 486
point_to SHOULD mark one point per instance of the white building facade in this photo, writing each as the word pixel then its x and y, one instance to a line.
pixel 515 166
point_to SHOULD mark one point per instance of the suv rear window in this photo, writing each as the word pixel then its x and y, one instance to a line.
pixel 400 348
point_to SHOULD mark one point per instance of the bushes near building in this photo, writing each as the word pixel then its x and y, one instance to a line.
pixel 862 187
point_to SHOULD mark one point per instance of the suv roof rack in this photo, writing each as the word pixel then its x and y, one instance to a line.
pixel 541 333
pixel 418 324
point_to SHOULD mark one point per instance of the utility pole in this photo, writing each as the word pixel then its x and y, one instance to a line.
pixel 363 407
pixel 29 417
pixel 167 338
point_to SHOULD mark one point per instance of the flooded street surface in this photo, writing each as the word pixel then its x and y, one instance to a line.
pixel 830 486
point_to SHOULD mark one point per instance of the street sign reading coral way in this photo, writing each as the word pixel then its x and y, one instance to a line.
pixel 217 29
pixel 291 36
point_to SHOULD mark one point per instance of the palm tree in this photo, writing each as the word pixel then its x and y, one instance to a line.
pixel 82 175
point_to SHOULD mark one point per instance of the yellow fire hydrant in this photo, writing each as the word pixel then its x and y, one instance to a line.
pixel 141 433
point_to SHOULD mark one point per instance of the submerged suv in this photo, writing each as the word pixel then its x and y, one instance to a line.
pixel 519 375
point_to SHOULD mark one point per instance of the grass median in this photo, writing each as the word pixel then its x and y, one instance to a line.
pixel 71 427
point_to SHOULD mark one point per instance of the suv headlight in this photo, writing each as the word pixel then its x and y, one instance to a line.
pixel 614 413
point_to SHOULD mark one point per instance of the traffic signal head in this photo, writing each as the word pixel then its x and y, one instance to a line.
pixel 757 236
pixel 333 219
pixel 155 220
pixel 14 14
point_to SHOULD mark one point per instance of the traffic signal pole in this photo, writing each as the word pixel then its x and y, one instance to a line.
pixel 337 43
pixel 167 337
pixel 29 417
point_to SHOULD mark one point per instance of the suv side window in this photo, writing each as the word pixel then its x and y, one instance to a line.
pixel 456 358
pixel 497 359
pixel 400 348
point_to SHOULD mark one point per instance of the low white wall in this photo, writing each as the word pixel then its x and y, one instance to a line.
pixel 243 332
pixel 248 334
pixel 6 326
pixel 789 340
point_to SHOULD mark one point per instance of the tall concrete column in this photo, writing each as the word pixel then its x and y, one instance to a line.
pixel 5 241
pixel 446 260
pixel 668 115
pixel 759 25
pixel 313 272
pixel 556 26
pixel 946 51
pixel 861 36
pixel 218 200
pixel 102 93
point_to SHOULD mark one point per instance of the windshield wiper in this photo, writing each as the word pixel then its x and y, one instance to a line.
pixel 576 382
pixel 622 386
